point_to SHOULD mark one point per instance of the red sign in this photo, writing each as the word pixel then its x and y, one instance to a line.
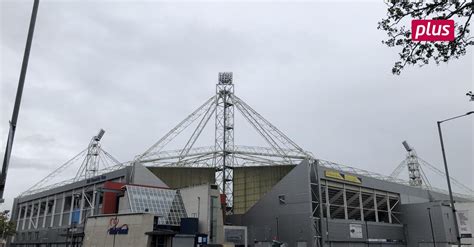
pixel 432 30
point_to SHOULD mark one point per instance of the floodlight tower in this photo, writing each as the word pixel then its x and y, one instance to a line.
pixel 224 155
pixel 90 166
pixel 224 136
pixel 413 166
pixel 93 161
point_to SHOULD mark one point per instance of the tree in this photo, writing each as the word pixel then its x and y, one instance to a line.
pixel 421 53
pixel 7 227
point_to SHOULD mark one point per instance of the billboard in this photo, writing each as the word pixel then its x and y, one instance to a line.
pixel 464 223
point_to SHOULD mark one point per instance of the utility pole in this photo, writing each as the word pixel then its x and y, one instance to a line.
pixel 431 225
pixel 16 108
pixel 448 180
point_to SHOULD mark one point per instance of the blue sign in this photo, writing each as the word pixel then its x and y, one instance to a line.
pixel 75 216
pixel 121 230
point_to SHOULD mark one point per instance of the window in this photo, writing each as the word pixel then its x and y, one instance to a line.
pixel 282 199
pixel 50 207
pixel 165 203
pixel 42 208
pixel 28 211
pixel 214 214
pixel 67 204
pixel 344 201
pixel 22 212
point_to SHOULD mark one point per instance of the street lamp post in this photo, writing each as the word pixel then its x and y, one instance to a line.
pixel 447 174
pixel 431 226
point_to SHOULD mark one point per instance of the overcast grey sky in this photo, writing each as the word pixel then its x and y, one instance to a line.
pixel 316 70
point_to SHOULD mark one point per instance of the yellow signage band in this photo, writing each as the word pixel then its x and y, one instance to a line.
pixel 339 176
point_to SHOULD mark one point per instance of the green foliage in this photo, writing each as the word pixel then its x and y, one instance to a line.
pixel 421 53
pixel 7 228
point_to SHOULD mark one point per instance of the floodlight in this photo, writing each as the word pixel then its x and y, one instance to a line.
pixel 99 136
pixel 225 78
pixel 407 147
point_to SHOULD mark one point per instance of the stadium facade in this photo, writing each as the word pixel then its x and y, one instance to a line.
pixel 356 210
pixel 276 203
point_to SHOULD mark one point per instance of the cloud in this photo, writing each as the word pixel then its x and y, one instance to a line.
pixel 29 164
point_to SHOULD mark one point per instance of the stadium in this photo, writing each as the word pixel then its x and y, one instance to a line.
pixel 233 195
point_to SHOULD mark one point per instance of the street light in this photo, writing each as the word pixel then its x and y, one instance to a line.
pixel 431 225
pixel 447 173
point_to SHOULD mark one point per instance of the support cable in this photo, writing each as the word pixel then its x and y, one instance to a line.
pixel 439 172
pixel 280 135
pixel 55 172
pixel 176 130
pixel 197 132
pixel 248 116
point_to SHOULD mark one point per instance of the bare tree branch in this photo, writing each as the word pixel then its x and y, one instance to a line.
pixel 423 53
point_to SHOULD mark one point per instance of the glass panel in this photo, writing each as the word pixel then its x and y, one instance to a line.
pixel 40 222
pixel 166 203
pixel 67 204
pixel 42 208
pixel 22 212
pixel 59 203
pixel 28 211
pixel 65 221
pixel 48 221
pixel 214 215
pixel 56 220
pixel 50 207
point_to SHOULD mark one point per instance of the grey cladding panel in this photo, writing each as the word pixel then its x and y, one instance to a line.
pixel 292 216
pixel 340 231
pixel 384 231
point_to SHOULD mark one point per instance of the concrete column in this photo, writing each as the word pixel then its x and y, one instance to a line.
pixel 389 210
pixel 31 215
pixel 18 218
pixel 53 211
pixel 81 207
pixel 344 196
pixel 375 207
pixel 24 219
pixel 38 214
pixel 361 203
pixel 94 194
pixel 45 212
pixel 328 208
pixel 72 208
pixel 62 210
